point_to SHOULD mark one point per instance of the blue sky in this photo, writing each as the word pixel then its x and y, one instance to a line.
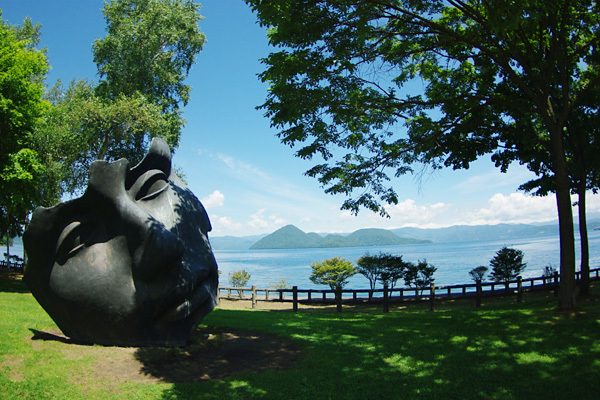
pixel 233 161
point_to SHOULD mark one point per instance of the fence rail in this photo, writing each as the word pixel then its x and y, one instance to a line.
pixel 12 265
pixel 474 290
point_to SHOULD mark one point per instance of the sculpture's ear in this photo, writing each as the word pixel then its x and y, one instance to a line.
pixel 158 157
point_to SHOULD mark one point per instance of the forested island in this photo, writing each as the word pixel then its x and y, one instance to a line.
pixel 291 237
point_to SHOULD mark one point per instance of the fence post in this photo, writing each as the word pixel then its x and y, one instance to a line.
pixel 432 297
pixel 519 289
pixel 338 298
pixel 386 306
pixel 478 291
pixel 267 294
pixel 253 296
pixel 556 283
pixel 295 297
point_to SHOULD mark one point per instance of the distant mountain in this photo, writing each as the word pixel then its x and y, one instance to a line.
pixel 290 237
pixel 466 233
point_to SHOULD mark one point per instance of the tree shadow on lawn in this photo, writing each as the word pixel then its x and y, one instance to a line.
pixel 508 352
pixel 212 354
pixel 218 353
pixel 12 282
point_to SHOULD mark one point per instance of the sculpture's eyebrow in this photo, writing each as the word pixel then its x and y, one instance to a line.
pixel 158 157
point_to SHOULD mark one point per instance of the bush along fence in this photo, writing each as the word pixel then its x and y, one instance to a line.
pixel 14 263
pixel 385 296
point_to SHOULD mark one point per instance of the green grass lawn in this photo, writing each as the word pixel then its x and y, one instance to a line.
pixel 503 350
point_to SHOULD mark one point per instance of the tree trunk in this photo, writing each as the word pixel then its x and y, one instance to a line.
pixel 566 293
pixel 7 246
pixel 584 283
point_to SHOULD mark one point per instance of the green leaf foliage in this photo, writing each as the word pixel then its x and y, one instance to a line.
pixel 22 69
pixel 419 275
pixel 239 278
pixel 383 267
pixel 333 272
pixel 478 273
pixel 507 264
pixel 150 48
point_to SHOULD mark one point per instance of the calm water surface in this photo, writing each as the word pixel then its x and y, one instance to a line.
pixel 453 260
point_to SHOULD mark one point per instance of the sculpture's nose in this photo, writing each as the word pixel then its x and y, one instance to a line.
pixel 152 246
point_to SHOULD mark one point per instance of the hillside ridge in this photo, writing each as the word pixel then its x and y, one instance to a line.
pixel 291 237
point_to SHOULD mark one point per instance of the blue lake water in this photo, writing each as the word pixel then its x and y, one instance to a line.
pixel 453 260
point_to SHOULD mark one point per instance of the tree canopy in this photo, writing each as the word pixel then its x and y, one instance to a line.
pixel 507 264
pixel 334 272
pixel 22 69
pixel 493 77
pixel 149 50
pixel 383 267
pixel 81 127
pixel 142 62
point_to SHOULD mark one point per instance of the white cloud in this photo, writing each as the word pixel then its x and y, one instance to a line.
pixel 215 199
pixel 257 220
pixel 256 223
pixel 225 226
pixel 409 213
pixel 514 208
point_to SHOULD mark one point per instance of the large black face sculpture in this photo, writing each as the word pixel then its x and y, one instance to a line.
pixel 129 262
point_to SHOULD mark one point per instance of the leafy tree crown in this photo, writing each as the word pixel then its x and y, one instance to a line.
pixel 334 272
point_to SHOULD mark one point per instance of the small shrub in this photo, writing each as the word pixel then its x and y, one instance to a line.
pixel 368 266
pixel 419 275
pixel 548 272
pixel 507 264
pixel 280 283
pixel 239 279
pixel 477 274
pixel 384 267
pixel 334 272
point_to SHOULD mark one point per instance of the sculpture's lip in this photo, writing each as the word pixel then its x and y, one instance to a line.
pixel 191 303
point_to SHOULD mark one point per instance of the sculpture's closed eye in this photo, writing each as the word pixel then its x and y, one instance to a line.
pixel 72 239
pixel 149 185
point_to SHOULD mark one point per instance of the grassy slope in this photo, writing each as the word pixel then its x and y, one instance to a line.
pixel 503 350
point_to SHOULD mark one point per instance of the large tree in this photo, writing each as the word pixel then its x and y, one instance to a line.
pixel 82 127
pixel 142 62
pixel 149 50
pixel 582 149
pixel 491 75
pixel 22 69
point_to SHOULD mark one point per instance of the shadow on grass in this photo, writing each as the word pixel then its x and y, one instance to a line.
pixel 509 351
pixel 218 353
pixel 46 336
pixel 12 282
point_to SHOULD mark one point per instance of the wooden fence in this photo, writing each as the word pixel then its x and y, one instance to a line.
pixel 11 265
pixel 385 295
